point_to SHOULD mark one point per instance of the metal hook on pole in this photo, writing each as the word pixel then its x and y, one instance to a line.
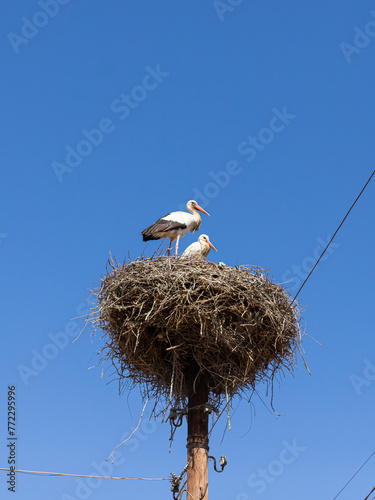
pixel 176 416
pixel 223 462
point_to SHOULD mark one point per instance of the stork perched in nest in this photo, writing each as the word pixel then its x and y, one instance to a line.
pixel 175 225
pixel 200 249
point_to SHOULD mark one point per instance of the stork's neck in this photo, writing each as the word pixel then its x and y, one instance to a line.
pixel 195 213
pixel 205 248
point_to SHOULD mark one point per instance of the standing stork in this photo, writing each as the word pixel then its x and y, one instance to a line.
pixel 175 225
pixel 199 249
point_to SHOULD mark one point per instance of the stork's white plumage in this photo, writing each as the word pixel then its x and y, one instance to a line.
pixel 200 249
pixel 175 225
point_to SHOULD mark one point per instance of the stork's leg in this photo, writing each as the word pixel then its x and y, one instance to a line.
pixel 178 238
pixel 169 248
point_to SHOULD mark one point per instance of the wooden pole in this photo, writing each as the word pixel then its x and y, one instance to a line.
pixel 197 439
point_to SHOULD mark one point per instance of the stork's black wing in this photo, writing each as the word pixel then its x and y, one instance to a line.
pixel 160 227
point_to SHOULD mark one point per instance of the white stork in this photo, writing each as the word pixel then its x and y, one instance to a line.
pixel 175 225
pixel 199 249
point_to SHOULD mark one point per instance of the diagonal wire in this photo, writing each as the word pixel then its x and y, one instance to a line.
pixel 353 476
pixel 43 473
pixel 368 496
pixel 337 230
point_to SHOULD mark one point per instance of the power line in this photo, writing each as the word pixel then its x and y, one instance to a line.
pixel 43 473
pixel 343 488
pixel 368 496
pixel 337 230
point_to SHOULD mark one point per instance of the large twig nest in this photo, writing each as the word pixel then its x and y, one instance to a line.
pixel 161 315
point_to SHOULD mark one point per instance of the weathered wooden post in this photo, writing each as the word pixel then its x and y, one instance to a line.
pixel 197 438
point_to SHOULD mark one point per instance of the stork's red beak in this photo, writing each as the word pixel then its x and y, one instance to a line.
pixel 211 245
pixel 197 207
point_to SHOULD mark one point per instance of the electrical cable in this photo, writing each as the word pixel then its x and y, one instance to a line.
pixel 368 496
pixel 43 473
pixel 343 488
pixel 330 241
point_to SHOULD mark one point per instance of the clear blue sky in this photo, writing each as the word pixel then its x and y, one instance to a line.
pixel 115 113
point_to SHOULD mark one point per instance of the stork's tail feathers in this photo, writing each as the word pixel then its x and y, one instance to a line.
pixel 148 235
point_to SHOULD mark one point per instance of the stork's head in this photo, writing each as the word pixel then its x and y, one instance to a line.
pixel 203 238
pixel 192 205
